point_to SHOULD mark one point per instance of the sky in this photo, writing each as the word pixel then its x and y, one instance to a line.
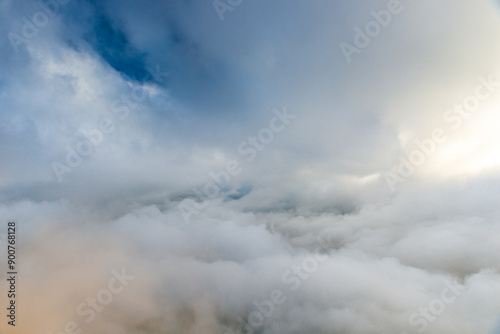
pixel 237 166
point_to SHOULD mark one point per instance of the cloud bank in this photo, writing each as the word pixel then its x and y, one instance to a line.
pixel 160 187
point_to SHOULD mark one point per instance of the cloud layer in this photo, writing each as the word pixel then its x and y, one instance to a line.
pixel 152 138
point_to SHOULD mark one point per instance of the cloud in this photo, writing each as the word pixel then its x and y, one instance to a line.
pixel 139 104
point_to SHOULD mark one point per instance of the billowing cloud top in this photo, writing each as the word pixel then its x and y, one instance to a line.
pixel 235 166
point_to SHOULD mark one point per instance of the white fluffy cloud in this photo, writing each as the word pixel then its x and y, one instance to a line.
pixel 307 236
